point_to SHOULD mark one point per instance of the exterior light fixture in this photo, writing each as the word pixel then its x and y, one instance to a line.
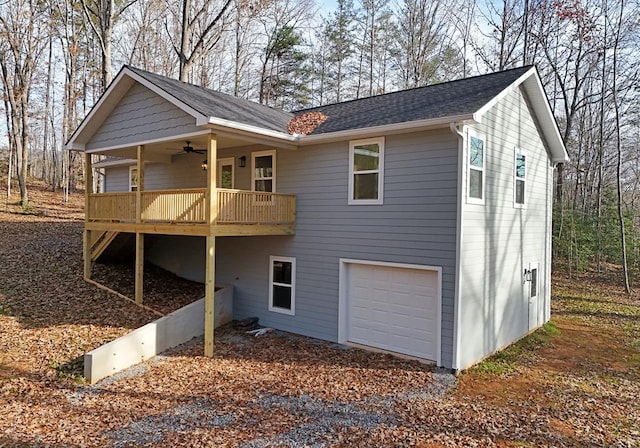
pixel 204 165
pixel 242 161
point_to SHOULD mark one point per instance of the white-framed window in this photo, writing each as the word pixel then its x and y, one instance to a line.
pixel 520 179
pixel 263 171
pixel 133 178
pixel 366 171
pixel 533 284
pixel 282 285
pixel 476 163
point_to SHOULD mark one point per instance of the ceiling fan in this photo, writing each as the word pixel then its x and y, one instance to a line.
pixel 190 148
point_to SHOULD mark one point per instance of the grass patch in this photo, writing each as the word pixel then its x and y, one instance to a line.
pixel 73 369
pixel 507 360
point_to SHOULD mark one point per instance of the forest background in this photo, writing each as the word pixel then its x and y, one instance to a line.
pixel 58 56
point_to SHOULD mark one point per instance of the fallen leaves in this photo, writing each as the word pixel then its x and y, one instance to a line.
pixel 280 389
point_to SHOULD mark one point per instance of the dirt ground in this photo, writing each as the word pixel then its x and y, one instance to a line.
pixel 574 383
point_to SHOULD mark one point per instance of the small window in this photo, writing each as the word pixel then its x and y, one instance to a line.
pixel 133 178
pixel 366 171
pixel 534 282
pixel 264 171
pixel 476 169
pixel 282 285
pixel 520 179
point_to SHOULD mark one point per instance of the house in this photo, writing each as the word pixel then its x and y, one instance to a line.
pixel 416 222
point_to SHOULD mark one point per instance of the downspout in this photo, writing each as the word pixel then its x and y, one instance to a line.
pixel 460 200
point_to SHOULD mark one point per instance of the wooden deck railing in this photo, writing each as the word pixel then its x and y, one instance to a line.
pixel 189 206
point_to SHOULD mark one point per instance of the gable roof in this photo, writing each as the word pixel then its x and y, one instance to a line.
pixel 437 105
pixel 448 99
pixel 211 103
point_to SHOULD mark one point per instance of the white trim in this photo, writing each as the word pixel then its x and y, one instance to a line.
pixel 387 129
pixel 251 129
pixel 276 309
pixel 161 92
pixel 112 163
pixel 149 142
pixel 460 198
pixel 511 87
pixel 343 318
pixel 133 168
pixel 226 162
pixel 535 266
pixel 517 151
pixel 272 153
pixel 380 141
pixel 474 134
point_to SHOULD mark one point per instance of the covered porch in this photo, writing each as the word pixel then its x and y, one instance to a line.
pixel 207 211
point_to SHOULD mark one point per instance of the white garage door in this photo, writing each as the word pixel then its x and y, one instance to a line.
pixel 393 308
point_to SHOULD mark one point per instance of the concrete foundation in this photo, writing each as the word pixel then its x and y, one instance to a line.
pixel 148 341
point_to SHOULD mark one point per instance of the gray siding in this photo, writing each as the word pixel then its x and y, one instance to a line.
pixel 416 224
pixel 499 241
pixel 141 115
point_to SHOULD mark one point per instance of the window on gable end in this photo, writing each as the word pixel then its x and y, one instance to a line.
pixel 366 171
pixel 520 179
pixel 476 163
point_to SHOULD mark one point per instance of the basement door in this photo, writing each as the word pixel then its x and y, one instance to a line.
pixel 393 307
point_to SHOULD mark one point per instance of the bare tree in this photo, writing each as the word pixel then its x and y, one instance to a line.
pixel 22 39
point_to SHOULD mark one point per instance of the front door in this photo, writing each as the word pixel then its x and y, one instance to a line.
pixel 226 173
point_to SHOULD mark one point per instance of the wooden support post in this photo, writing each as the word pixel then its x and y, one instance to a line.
pixel 86 240
pixel 209 294
pixel 86 253
pixel 139 269
pixel 212 217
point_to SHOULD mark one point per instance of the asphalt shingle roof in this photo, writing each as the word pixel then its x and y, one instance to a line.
pixel 447 99
pixel 220 105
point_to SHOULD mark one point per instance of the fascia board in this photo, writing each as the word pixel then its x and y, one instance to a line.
pixel 216 122
pixel 510 88
pixel 533 86
pixel 106 103
pixel 199 117
pixel 388 129
pixel 558 150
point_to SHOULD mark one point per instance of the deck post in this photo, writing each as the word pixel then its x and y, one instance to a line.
pixel 139 269
pixel 210 266
pixel 86 240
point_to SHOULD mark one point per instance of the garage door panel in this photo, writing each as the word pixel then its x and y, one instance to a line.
pixel 393 308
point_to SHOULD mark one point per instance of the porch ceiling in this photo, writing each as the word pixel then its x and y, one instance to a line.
pixel 171 147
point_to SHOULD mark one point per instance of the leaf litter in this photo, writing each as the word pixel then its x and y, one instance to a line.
pixel 280 389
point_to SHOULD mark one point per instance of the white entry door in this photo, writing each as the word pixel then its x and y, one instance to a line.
pixel 394 308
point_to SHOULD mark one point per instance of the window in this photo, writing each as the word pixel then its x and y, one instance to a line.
pixel 282 285
pixel 534 282
pixel 133 178
pixel 476 165
pixel 263 173
pixel 366 171
pixel 520 178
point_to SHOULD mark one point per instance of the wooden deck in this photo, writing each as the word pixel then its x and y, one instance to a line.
pixel 184 212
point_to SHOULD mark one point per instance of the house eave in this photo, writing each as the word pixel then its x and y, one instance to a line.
pixel 388 129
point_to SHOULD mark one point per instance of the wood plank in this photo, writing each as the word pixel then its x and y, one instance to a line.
pixel 139 280
pixel 156 229
pixel 86 249
pixel 209 296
